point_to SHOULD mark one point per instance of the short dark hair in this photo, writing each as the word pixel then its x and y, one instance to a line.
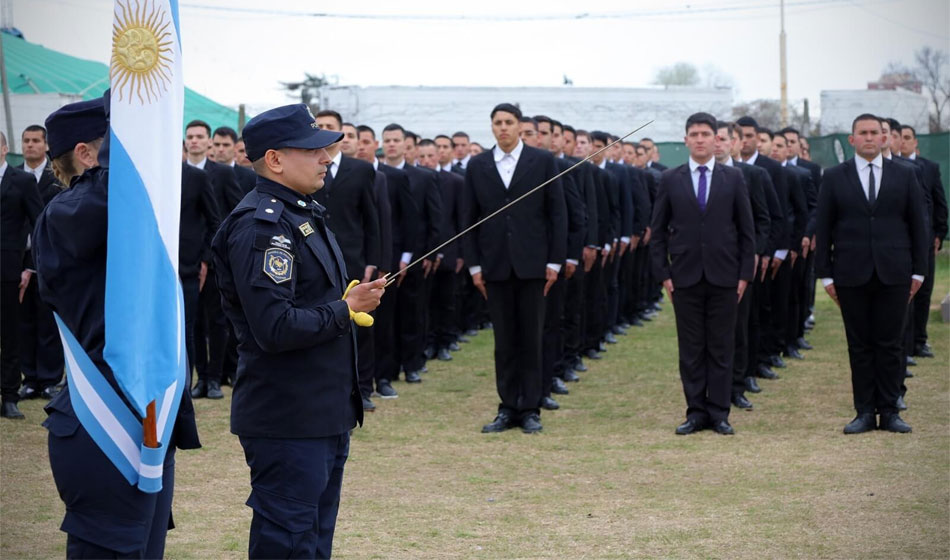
pixel 426 142
pixel 556 124
pixel 364 128
pixel 508 108
pixel 645 139
pixel 865 117
pixel 393 126
pixel 331 113
pixel 443 136
pixel 723 124
pixel 747 121
pixel 226 131
pixel 910 128
pixel 34 128
pixel 348 124
pixel 413 135
pixel 544 119
pixel 697 119
pixel 600 136
pixel 479 145
pixel 460 134
pixel 893 123
pixel 583 133
pixel 789 130
pixel 202 124
pixel 530 121
pixel 568 128
pixel 763 130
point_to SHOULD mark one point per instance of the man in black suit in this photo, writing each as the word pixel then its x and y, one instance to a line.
pixel 349 199
pixel 41 352
pixel 198 224
pixel 514 259
pixel 224 141
pixel 938 223
pixel 460 147
pixel 703 251
pixel 211 323
pixel 871 256
pixel 20 204
pixel 653 155
pixel 410 302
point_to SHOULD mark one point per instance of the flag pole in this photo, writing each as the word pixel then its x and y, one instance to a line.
pixel 150 427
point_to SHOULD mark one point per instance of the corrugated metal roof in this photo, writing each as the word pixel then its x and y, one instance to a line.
pixel 32 68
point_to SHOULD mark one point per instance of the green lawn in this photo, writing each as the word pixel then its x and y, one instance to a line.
pixel 606 479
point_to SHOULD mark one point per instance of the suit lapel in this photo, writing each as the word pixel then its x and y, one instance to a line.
pixel 687 182
pixel 493 171
pixel 716 184
pixel 524 163
pixel 320 252
pixel 886 170
pixel 851 171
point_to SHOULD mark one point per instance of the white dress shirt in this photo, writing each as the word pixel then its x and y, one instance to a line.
pixel 407 256
pixel 603 165
pixel 3 170
pixel 446 167
pixel 200 165
pixel 864 174
pixel 729 162
pixel 912 156
pixel 462 162
pixel 793 160
pixel 694 175
pixel 335 164
pixel 751 159
pixel 376 164
pixel 38 172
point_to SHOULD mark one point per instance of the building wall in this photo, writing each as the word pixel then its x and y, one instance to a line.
pixel 839 107
pixel 429 111
pixel 28 109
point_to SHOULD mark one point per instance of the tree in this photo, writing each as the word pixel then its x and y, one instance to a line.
pixel 307 90
pixel 679 74
pixel 715 77
pixel 932 72
pixel 767 112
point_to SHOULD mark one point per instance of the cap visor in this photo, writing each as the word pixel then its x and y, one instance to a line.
pixel 319 138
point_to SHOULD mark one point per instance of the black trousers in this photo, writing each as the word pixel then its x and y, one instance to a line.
pixel 874 316
pixel 572 325
pixel 516 308
pixel 780 294
pixel 807 297
pixel 443 319
pixel 628 285
pixel 41 350
pixel 410 320
pixel 793 322
pixel 366 357
pixel 9 341
pixel 740 365
pixel 612 280
pixel 642 274
pixel 553 341
pixel 757 293
pixel 212 331
pixel 386 359
pixel 764 289
pixel 467 302
pixel 922 302
pixel 595 306
pixel 189 288
pixel 705 331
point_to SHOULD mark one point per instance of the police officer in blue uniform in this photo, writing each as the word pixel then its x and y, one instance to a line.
pixel 282 277
pixel 105 516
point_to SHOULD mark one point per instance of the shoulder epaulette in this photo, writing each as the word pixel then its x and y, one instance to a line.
pixel 268 209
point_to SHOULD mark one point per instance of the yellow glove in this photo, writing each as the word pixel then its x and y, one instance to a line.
pixel 361 318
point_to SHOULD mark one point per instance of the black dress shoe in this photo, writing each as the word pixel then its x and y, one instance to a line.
pixel 610 338
pixel 689 427
pixel 470 333
pixel 794 354
pixel 214 390
pixel 570 377
pixel 547 403
pixel 739 401
pixel 444 355
pixel 894 423
pixel 413 377
pixel 531 424
pixel 10 410
pixel 722 427
pixel 752 386
pixel 463 339
pixel 657 307
pixel 803 344
pixel 764 372
pixel 558 387
pixel 385 389
pixel 487 326
pixel 618 330
pixel 368 405
pixel 911 361
pixel 636 322
pixel 579 366
pixel 861 423
pixel 646 316
pixel 27 392
pixel 924 351
pixel 454 347
pixel 501 423
pixel 777 361
pixel 591 354
pixel 49 392
pixel 908 373
pixel 429 352
pixel 901 405
pixel 200 390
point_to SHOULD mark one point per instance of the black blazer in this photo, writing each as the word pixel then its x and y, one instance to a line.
pixel 227 191
pixel 610 190
pixel 689 245
pixel 583 177
pixel 624 182
pixel 451 186
pixel 937 197
pixel 199 221
pixel 779 178
pixel 405 215
pixel 812 168
pixel 855 240
pixel 20 204
pixel 246 178
pixel 424 184
pixel 804 193
pixel 760 208
pixel 576 211
pixel 351 214
pixel 384 207
pixel 521 241
pixel 658 166
pixel 48 185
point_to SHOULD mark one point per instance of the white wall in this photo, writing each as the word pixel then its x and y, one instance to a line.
pixel 27 109
pixel 839 107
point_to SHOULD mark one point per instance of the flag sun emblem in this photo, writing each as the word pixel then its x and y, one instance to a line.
pixel 141 51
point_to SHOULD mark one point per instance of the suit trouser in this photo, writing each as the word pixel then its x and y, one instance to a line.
pixel 758 297
pixel 386 362
pixel 612 280
pixel 443 319
pixel 468 301
pixel 874 315
pixel 922 301
pixel 9 341
pixel 705 331
pixel 595 306
pixel 740 366
pixel 573 324
pixel 793 323
pixel 189 288
pixel 295 494
pixel 629 271
pixel 211 326
pixel 553 340
pixel 40 349
pixel 779 293
pixel 807 297
pixel 516 308
pixel 642 256
pixel 365 358
pixel 410 320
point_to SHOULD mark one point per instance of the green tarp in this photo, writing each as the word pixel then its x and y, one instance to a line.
pixel 32 68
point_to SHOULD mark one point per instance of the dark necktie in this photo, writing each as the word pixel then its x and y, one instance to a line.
pixel 328 180
pixel 872 196
pixel 701 191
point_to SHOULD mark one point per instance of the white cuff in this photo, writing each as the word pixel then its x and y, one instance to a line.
pixel 607 247
pixel 918 278
pixel 554 267
pixel 440 256
pixel 574 262
pixel 473 270
pixel 625 239
pixel 781 254
pixel 406 258
pixel 825 282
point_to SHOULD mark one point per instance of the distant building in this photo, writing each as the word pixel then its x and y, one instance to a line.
pixel 898 80
pixel 429 111
pixel 839 107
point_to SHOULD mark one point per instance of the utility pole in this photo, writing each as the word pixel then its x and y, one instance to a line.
pixel 782 67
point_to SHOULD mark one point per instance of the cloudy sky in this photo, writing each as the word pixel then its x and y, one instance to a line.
pixel 237 51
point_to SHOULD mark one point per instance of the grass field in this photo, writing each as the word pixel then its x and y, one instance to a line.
pixel 606 479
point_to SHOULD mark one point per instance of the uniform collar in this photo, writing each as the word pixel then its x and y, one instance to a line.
pixel 286 195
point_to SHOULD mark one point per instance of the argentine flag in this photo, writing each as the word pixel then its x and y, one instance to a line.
pixel 144 313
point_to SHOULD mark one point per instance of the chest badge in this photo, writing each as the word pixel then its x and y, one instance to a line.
pixel 305 228
pixel 280 242
pixel 278 265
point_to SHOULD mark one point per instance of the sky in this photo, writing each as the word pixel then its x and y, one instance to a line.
pixel 238 51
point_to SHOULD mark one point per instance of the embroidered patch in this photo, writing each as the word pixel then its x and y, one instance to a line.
pixel 278 264
pixel 280 242
pixel 305 228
